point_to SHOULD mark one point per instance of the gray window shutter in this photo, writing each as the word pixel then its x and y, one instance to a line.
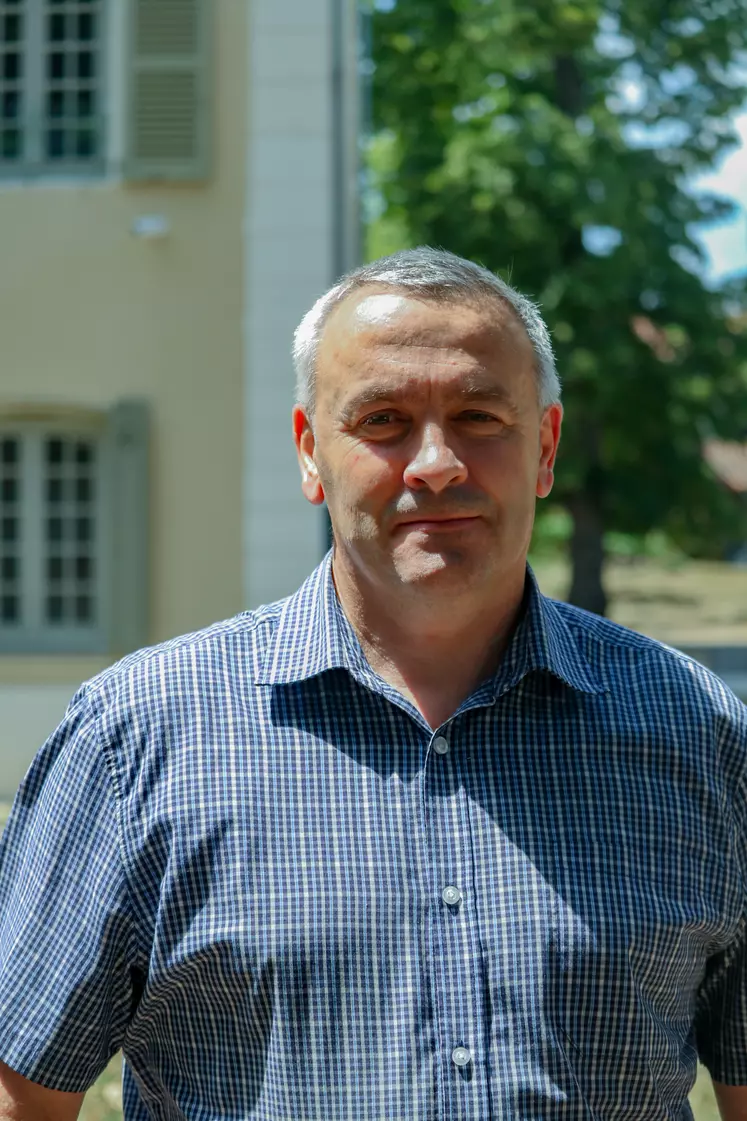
pixel 129 510
pixel 168 107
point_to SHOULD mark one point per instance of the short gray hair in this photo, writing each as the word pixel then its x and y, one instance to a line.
pixel 424 272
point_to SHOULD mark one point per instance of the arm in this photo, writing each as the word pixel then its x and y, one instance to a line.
pixel 732 1101
pixel 21 1100
pixel 64 902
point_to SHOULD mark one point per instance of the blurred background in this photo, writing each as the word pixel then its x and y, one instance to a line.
pixel 180 179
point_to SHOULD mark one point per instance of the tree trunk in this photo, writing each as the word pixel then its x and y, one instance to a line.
pixel 587 556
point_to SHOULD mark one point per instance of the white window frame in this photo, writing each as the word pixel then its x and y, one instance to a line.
pixel 32 122
pixel 35 635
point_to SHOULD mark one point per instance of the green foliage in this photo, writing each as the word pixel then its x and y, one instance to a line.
pixel 505 131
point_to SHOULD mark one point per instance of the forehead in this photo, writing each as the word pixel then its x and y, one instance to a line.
pixel 403 340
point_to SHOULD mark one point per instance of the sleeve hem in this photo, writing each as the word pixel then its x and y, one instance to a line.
pixel 730 1071
pixel 24 1055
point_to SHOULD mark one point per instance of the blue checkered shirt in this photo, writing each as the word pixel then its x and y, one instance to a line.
pixel 247 861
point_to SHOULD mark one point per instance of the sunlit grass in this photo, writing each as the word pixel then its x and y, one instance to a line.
pixel 103 1102
pixel 682 603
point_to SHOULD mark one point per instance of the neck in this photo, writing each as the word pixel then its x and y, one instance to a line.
pixel 434 650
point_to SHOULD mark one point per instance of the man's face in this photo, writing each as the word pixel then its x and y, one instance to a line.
pixel 427 440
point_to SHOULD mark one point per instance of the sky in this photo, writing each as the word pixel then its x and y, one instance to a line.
pixel 726 243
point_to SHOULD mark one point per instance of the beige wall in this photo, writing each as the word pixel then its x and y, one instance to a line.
pixel 90 314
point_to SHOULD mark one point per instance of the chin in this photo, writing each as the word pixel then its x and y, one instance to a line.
pixel 437 567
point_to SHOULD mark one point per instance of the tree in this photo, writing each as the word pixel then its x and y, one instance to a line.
pixel 553 141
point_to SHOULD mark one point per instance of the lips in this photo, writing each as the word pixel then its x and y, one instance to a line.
pixel 436 522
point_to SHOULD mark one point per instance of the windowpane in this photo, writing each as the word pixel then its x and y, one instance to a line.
pixel 10 144
pixel 56 65
pixel 86 104
pixel 86 27
pixel 56 143
pixel 61 505
pixel 10 497
pixel 70 493
pixel 85 64
pixel 55 103
pixel 85 144
pixel 9 451
pixel 83 608
pixel 83 489
pixel 56 29
pixel 10 105
pixel 55 609
pixel 55 491
pixel 83 568
pixel 71 44
pixel 12 66
pixel 9 608
pixel 54 451
pixel 11 29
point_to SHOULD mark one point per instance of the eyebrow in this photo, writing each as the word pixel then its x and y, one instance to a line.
pixel 471 392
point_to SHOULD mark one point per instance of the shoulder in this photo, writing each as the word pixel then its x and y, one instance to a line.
pixel 227 654
pixel 662 675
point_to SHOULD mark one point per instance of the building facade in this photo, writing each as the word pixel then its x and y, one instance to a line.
pixel 177 185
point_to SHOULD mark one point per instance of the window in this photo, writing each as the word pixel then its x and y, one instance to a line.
pixel 73 529
pixel 54 79
pixel 52 563
pixel 50 86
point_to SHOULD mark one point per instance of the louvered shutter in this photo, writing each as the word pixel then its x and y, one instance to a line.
pixel 169 103
pixel 129 508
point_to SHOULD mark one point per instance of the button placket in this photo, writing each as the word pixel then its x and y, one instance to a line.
pixel 451 919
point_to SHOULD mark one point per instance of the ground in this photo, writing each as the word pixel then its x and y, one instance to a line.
pixel 679 603
pixel 682 603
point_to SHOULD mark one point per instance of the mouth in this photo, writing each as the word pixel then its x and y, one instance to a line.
pixel 440 524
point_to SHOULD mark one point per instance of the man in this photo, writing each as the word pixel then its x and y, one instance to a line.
pixel 415 842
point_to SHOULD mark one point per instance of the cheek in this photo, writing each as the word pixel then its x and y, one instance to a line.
pixel 505 468
pixel 358 475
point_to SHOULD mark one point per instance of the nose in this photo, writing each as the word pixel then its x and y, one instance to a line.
pixel 434 464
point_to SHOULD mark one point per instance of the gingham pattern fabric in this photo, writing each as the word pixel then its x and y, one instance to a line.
pixel 230 860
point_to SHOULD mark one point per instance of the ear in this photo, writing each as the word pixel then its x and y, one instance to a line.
pixel 549 440
pixel 303 438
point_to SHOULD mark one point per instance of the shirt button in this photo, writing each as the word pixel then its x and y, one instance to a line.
pixel 461 1057
pixel 452 896
pixel 440 745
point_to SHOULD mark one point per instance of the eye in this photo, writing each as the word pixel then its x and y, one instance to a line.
pixel 476 416
pixel 381 420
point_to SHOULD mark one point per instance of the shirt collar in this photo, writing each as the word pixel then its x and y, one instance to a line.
pixel 544 641
pixel 313 635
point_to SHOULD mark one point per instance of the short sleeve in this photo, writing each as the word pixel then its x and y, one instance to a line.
pixel 68 956
pixel 721 1021
pixel 721 1014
